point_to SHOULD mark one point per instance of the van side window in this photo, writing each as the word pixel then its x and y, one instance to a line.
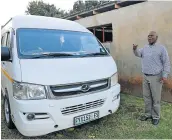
pixel 8 42
pixel 3 43
pixel 2 38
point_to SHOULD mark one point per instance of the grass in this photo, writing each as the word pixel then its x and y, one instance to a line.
pixel 123 124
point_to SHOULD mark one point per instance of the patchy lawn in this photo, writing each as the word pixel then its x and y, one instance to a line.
pixel 123 124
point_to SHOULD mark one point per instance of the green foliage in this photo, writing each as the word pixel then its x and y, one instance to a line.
pixel 78 6
pixel 91 4
pixel 50 10
pixel 44 9
pixel 123 124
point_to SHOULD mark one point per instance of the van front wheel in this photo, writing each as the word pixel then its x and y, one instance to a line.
pixel 7 114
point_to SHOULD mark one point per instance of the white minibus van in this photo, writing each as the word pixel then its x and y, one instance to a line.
pixel 55 75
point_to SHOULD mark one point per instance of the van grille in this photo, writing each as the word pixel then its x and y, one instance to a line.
pixel 79 88
pixel 82 107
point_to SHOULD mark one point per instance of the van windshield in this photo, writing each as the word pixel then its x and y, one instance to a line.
pixel 37 43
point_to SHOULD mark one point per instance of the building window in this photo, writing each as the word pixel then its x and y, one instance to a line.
pixel 103 32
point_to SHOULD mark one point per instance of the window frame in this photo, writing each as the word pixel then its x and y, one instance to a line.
pixel 3 39
pixel 8 42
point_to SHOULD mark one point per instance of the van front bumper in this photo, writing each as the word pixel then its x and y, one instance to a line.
pixel 52 108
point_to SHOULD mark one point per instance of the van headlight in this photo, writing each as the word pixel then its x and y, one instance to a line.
pixel 114 79
pixel 22 91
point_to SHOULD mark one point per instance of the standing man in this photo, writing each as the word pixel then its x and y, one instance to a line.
pixel 155 68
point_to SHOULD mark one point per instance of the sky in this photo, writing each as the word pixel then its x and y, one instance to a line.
pixel 8 8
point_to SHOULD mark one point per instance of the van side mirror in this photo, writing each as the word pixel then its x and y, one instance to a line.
pixel 5 54
pixel 108 50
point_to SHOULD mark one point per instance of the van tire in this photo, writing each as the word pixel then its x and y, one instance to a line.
pixel 7 113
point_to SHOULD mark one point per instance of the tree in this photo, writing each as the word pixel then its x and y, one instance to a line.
pixel 78 6
pixel 91 4
pixel 44 9
pixel 88 4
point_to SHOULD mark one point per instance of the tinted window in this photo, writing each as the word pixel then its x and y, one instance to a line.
pixel 3 43
pixel 2 38
pixel 8 42
pixel 34 41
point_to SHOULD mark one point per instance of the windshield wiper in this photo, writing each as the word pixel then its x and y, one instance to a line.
pixel 41 55
pixel 98 54
pixel 93 54
pixel 59 54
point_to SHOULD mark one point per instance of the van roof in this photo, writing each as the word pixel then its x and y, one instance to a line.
pixel 30 21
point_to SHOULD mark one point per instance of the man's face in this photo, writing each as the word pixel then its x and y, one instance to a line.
pixel 152 37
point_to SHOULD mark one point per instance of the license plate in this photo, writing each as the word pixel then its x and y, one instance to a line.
pixel 86 118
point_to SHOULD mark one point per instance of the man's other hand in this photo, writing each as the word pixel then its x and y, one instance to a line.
pixel 163 80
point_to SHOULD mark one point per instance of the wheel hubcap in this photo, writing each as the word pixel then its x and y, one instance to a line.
pixel 7 114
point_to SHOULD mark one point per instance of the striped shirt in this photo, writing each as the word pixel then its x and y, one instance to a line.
pixel 155 59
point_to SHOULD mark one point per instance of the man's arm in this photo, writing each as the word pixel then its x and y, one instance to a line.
pixel 137 52
pixel 166 63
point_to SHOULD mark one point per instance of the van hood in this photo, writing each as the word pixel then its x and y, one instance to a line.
pixel 66 70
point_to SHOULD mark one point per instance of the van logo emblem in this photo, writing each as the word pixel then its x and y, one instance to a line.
pixel 85 88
